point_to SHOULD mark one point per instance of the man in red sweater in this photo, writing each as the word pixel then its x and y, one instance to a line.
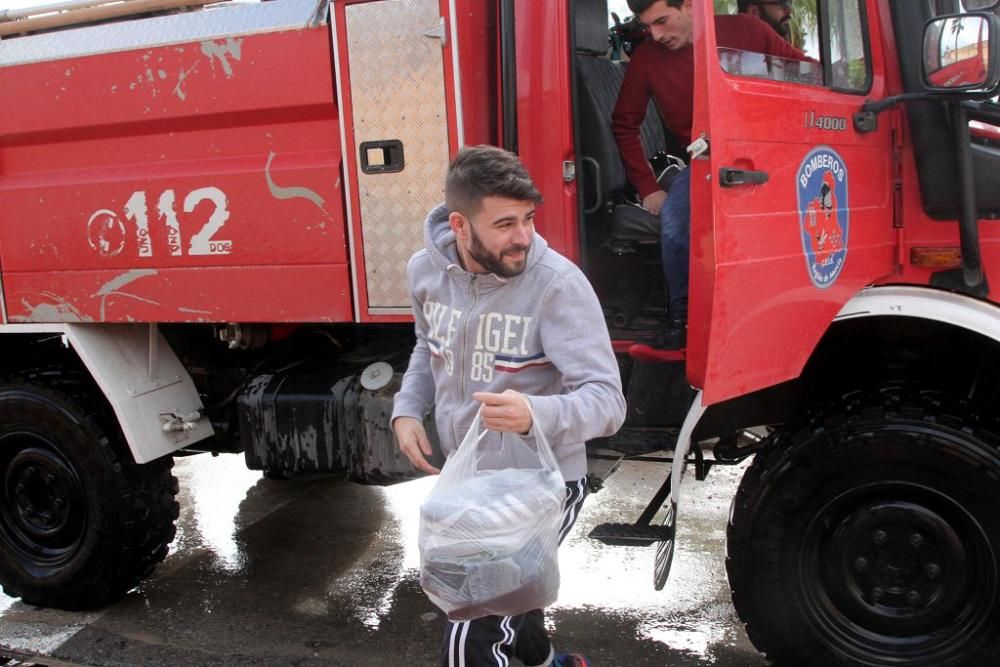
pixel 662 68
pixel 776 13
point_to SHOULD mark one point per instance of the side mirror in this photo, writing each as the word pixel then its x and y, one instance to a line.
pixel 960 53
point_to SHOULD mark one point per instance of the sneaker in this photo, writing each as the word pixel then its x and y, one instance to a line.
pixel 570 660
pixel 671 337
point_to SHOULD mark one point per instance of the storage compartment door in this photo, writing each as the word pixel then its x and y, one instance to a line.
pixel 396 115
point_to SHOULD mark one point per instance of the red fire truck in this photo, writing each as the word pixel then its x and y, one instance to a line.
pixel 205 214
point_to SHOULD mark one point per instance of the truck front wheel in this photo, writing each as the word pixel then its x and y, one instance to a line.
pixel 871 535
pixel 80 523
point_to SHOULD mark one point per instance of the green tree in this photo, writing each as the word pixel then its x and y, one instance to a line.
pixel 805 22
pixel 957 26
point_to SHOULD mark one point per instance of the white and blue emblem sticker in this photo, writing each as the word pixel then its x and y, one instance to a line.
pixel 824 216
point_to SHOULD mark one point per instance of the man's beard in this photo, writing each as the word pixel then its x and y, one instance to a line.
pixel 782 26
pixel 494 263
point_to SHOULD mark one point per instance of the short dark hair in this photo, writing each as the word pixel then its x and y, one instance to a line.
pixel 741 5
pixel 639 6
pixel 484 171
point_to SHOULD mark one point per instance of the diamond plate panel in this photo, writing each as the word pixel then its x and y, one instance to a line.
pixel 397 91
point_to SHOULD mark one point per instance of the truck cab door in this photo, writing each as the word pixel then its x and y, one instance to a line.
pixel 792 204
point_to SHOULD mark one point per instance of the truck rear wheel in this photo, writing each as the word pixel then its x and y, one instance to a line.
pixel 872 536
pixel 80 523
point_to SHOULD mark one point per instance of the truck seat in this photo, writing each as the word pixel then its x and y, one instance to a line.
pixel 633 223
pixel 603 181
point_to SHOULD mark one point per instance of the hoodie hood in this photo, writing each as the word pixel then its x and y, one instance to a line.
pixel 442 246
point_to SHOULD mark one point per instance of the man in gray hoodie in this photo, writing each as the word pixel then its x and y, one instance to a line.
pixel 504 322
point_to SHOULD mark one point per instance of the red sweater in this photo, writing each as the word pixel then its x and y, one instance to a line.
pixel 668 78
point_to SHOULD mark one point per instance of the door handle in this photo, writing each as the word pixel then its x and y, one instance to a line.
pixel 730 177
pixel 381 157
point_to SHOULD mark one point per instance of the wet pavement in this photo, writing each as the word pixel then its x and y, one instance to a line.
pixel 324 572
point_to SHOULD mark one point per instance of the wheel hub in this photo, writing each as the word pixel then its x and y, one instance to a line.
pixel 896 562
pixel 42 509
pixel 40 498
pixel 893 564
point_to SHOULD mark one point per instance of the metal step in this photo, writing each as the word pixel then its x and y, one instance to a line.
pixel 631 535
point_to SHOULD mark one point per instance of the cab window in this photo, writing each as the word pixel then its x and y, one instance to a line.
pixel 829 32
pixel 848 48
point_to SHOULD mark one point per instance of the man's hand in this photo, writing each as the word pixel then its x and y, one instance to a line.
pixel 508 411
pixel 413 442
pixel 653 202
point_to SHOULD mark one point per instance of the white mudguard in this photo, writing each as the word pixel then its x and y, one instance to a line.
pixel 153 397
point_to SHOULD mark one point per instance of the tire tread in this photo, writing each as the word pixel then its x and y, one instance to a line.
pixel 145 493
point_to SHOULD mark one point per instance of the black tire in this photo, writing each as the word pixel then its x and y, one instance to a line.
pixel 80 523
pixel 872 536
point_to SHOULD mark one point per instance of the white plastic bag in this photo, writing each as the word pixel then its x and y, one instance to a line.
pixel 489 530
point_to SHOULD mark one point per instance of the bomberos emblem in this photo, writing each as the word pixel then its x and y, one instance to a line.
pixel 824 216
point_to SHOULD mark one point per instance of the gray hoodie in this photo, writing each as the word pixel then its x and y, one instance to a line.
pixel 541 333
